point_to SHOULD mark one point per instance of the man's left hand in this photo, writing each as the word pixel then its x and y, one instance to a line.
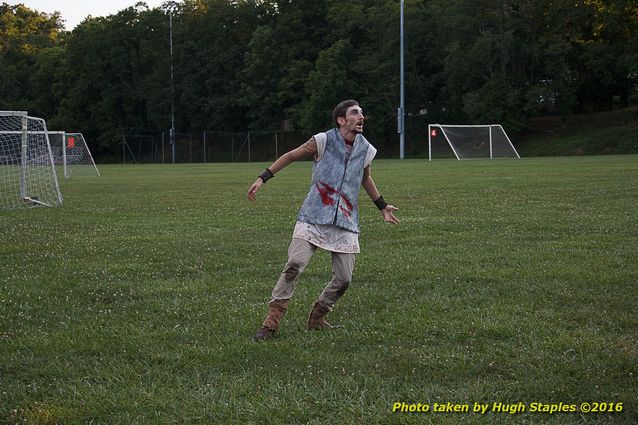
pixel 388 214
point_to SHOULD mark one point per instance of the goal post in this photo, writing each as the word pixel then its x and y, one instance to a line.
pixel 469 142
pixel 72 155
pixel 27 173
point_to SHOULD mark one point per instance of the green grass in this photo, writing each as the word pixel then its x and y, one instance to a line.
pixel 506 281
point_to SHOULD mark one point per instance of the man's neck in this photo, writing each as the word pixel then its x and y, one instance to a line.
pixel 348 136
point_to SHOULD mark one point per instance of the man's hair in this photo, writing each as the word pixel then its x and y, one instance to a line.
pixel 341 109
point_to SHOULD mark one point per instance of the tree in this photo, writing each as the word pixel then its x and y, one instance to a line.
pixel 327 82
pixel 26 36
pixel 111 79
pixel 211 40
pixel 280 56
pixel 271 64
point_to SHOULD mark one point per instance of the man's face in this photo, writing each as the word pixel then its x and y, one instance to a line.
pixel 353 121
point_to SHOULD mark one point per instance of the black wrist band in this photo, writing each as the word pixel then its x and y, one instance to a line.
pixel 380 203
pixel 266 175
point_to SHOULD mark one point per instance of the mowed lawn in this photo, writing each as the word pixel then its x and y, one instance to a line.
pixel 507 281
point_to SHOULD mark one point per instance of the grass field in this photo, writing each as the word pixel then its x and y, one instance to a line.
pixel 507 281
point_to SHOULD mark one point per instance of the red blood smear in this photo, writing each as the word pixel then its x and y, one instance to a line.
pixel 348 210
pixel 347 201
pixel 345 211
pixel 325 193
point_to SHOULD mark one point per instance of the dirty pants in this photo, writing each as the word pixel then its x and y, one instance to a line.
pixel 299 254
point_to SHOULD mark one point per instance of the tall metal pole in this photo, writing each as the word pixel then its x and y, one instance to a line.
pixel 401 117
pixel 172 135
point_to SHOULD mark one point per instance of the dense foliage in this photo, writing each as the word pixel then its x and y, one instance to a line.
pixel 275 64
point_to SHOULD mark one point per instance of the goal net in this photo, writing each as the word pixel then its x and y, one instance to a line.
pixel 71 154
pixel 27 174
pixel 469 142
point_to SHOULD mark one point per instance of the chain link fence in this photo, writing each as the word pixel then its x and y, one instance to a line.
pixel 210 146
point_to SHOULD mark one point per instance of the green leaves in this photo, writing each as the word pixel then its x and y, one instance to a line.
pixel 25 38
pixel 326 83
pixel 267 65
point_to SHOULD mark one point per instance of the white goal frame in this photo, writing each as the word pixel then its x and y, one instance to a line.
pixel 26 180
pixel 75 160
pixel 459 156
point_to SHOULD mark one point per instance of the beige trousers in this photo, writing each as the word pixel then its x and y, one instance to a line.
pixel 299 254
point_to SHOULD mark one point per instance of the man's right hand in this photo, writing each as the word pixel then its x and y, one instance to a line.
pixel 254 188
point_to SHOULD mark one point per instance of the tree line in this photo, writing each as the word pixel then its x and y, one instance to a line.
pixel 283 64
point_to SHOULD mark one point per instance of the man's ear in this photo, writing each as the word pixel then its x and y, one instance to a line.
pixel 341 121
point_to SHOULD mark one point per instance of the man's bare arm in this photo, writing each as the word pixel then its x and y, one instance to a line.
pixel 306 150
pixel 371 189
pixel 368 184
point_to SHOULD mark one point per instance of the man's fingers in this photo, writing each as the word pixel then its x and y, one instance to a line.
pixel 388 214
pixel 393 220
pixel 252 193
pixel 389 217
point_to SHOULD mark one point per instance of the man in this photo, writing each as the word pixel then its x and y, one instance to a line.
pixel 329 216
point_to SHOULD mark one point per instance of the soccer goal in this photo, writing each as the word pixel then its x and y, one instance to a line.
pixel 71 154
pixel 469 142
pixel 27 174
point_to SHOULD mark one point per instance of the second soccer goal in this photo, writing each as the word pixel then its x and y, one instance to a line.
pixel 71 154
pixel 469 142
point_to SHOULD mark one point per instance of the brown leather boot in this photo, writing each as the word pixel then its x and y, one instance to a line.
pixel 316 319
pixel 276 310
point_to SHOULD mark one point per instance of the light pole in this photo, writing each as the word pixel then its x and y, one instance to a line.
pixel 401 110
pixel 171 6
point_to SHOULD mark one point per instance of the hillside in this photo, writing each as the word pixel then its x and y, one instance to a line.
pixel 609 132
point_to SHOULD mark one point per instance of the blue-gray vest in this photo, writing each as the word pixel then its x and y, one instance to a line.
pixel 334 191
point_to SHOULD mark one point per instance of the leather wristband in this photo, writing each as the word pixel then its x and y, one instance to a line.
pixel 266 175
pixel 380 203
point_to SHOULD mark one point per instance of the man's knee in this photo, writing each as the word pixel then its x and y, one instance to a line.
pixel 292 270
pixel 342 286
